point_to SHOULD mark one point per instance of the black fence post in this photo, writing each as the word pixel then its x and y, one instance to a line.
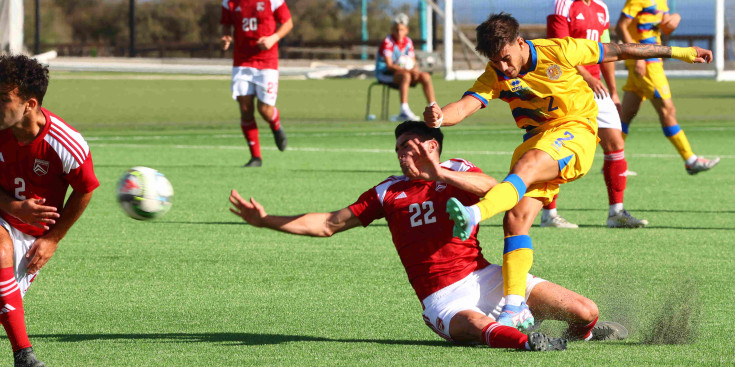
pixel 37 37
pixel 132 28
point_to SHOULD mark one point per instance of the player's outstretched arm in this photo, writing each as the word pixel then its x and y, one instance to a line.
pixel 31 211
pixel 309 224
pixel 45 246
pixel 452 113
pixel 623 51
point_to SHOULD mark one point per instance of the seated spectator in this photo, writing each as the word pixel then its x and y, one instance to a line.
pixel 396 64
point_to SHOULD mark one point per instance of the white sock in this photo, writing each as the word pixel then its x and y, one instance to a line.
pixel 617 207
pixel 404 108
pixel 691 160
pixel 475 215
pixel 548 213
pixel 514 299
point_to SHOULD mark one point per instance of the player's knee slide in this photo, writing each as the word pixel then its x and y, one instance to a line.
pixel 513 243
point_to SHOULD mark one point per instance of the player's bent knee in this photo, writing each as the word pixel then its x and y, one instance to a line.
pixel 6 248
pixel 584 308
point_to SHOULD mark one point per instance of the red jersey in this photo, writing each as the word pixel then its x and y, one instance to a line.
pixel 574 18
pixel 253 19
pixel 56 158
pixel 421 228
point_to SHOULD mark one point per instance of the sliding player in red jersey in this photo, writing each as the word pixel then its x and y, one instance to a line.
pixel 461 293
pixel 259 25
pixel 590 19
pixel 40 157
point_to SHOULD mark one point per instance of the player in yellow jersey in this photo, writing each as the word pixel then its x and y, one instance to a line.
pixel 556 107
pixel 642 21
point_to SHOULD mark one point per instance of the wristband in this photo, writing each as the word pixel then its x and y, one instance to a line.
pixel 687 54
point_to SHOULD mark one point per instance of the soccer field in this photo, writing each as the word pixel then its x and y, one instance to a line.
pixel 199 288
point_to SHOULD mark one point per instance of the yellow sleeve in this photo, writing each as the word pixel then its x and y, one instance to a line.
pixel 664 6
pixel 632 8
pixel 580 51
pixel 483 89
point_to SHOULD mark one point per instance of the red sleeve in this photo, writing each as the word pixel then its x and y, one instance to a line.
pixel 367 208
pixel 282 14
pixel 557 26
pixel 82 178
pixel 226 17
pixel 386 49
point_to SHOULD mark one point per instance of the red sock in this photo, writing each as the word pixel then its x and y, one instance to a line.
pixel 250 131
pixel 275 121
pixel 581 331
pixel 552 204
pixel 614 173
pixel 11 314
pixel 500 336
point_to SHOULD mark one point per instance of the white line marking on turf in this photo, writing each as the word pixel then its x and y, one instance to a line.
pixel 352 150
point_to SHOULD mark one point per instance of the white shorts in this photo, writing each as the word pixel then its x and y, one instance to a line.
pixel 607 114
pixel 247 81
pixel 21 244
pixel 481 291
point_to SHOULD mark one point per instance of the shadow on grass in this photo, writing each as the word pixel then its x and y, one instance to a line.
pixel 226 338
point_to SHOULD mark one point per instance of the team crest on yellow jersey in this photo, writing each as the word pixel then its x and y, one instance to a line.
pixel 553 72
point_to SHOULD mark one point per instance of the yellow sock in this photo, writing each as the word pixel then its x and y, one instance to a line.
pixel 503 197
pixel 681 143
pixel 517 261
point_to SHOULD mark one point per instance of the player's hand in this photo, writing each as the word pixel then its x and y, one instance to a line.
pixel 420 164
pixel 265 43
pixel 640 68
pixel 40 253
pixel 703 55
pixel 616 100
pixel 597 86
pixel 226 41
pixel 34 212
pixel 433 115
pixel 251 212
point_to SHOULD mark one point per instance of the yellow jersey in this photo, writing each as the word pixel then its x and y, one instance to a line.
pixel 647 16
pixel 551 92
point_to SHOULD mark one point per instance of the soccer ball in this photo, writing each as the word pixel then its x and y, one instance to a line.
pixel 144 193
pixel 406 62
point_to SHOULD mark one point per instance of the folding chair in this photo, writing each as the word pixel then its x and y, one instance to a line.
pixel 385 101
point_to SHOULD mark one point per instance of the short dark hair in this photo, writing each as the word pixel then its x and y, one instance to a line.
pixel 28 75
pixel 495 33
pixel 419 128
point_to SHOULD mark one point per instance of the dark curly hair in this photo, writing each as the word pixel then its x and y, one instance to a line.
pixel 495 33
pixel 28 75
pixel 419 128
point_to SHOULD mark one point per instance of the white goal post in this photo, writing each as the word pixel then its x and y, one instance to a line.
pixel 725 40
pixel 11 26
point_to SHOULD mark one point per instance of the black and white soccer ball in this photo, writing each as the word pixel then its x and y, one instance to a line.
pixel 144 193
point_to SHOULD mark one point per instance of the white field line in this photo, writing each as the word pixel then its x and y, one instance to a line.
pixel 358 134
pixel 353 150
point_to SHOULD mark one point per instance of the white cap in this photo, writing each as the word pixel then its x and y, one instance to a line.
pixel 400 18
